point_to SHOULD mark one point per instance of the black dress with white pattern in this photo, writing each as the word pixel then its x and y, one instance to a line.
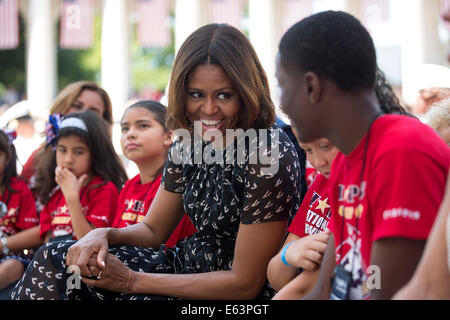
pixel 218 195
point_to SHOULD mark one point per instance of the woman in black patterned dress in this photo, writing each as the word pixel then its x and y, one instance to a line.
pixel 240 188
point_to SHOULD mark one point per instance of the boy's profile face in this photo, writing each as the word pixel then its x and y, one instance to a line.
pixel 294 102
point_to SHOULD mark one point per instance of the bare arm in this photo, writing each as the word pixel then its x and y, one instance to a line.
pixel 322 289
pixel 278 273
pixel 300 286
pixel 431 279
pixel 25 239
pixel 162 217
pixel 70 187
pixel 80 224
pixel 303 253
pixel 255 245
pixel 397 259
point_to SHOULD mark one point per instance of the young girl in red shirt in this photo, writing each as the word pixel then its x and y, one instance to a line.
pixel 146 141
pixel 79 181
pixel 17 215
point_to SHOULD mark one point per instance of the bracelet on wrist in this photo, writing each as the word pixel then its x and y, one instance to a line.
pixel 4 241
pixel 283 253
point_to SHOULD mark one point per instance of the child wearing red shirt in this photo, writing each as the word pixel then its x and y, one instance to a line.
pixel 98 201
pixel 81 191
pixel 308 235
pixel 145 140
pixel 314 213
pixel 17 214
pixel 387 185
pixel 371 198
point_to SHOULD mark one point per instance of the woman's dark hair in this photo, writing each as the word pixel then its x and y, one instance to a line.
pixel 156 108
pixel 389 102
pixel 10 167
pixel 334 45
pixel 224 46
pixel 105 162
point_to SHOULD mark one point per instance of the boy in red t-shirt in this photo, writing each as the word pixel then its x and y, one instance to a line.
pixel 387 185
pixel 308 236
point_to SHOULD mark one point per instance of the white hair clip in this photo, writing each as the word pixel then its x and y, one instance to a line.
pixel 73 123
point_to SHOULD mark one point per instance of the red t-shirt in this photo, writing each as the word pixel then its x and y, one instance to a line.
pixel 99 207
pixel 21 209
pixel 135 200
pixel 314 213
pixel 398 195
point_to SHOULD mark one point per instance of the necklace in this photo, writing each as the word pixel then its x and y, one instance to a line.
pixel 366 146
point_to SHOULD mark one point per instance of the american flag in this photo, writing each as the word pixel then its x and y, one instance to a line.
pixel 227 11
pixel 153 28
pixel 77 24
pixel 294 11
pixel 9 24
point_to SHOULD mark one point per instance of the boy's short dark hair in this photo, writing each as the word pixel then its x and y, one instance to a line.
pixel 332 44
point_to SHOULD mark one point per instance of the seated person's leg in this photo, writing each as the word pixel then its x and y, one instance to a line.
pixel 10 271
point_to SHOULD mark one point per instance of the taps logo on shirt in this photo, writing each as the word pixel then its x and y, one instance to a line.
pixel 134 211
pixel 350 195
pixel 135 205
pixel 318 215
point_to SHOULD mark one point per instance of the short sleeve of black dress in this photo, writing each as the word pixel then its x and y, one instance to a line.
pixel 272 184
pixel 254 179
pixel 172 178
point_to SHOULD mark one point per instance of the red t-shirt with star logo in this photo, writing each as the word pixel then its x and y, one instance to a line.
pixel 398 193
pixel 21 208
pixel 135 200
pixel 314 213
pixel 98 201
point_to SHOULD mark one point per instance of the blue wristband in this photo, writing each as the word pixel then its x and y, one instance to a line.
pixel 283 253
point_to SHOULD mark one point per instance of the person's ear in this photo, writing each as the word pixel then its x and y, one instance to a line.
pixel 168 138
pixel 313 86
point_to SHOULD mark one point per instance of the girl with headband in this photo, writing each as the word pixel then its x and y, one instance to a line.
pixel 78 181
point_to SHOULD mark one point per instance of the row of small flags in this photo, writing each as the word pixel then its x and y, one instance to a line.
pixel 77 21
pixel 153 29
pixel 9 24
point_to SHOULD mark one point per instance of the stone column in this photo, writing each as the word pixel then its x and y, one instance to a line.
pixel 41 56
pixel 115 69
pixel 265 32
pixel 189 16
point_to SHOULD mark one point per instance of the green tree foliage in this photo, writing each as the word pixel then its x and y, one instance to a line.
pixel 12 63
pixel 150 68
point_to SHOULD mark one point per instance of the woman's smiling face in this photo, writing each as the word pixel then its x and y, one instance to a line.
pixel 212 99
